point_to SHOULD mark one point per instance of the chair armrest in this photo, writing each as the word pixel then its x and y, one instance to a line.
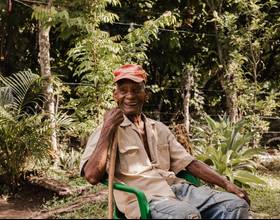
pixel 190 178
pixel 141 198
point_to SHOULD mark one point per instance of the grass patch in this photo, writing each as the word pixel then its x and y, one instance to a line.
pixel 89 211
pixel 265 200
pixel 58 202
pixel 265 203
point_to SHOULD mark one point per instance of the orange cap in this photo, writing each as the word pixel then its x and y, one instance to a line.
pixel 130 71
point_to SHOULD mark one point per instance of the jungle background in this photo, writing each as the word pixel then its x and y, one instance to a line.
pixel 214 78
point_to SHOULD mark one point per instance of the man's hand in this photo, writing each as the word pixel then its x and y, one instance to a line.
pixel 230 187
pixel 113 118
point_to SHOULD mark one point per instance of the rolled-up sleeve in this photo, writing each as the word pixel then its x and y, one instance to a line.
pixel 179 157
pixel 90 147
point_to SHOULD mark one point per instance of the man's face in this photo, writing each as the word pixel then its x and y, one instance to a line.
pixel 130 96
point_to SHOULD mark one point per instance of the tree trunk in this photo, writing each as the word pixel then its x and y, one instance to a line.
pixel 226 75
pixel 255 59
pixel 231 96
pixel 44 61
pixel 158 110
pixel 227 79
pixel 187 95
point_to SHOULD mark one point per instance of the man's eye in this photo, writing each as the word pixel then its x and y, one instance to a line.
pixel 136 91
pixel 122 91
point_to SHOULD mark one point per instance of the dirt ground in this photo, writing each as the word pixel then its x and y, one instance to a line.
pixel 25 203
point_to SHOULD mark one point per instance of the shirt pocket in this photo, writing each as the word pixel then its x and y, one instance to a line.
pixel 130 159
pixel 163 156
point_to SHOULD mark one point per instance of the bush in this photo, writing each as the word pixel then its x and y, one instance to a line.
pixel 24 137
pixel 223 146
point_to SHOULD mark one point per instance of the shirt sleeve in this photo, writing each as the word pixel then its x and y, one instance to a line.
pixel 90 147
pixel 179 157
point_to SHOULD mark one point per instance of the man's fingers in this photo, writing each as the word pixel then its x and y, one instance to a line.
pixel 113 117
pixel 239 192
pixel 247 199
pixel 244 195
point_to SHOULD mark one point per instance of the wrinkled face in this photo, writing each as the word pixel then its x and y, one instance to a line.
pixel 130 96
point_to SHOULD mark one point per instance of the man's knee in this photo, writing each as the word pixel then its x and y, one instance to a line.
pixel 237 208
pixel 236 202
pixel 228 206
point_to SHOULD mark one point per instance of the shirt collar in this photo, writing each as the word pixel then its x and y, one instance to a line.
pixel 126 122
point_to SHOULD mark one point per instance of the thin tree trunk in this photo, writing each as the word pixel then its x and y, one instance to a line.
pixel 158 110
pixel 255 61
pixel 227 76
pixel 44 61
pixel 187 96
pixel 227 81
pixel 231 96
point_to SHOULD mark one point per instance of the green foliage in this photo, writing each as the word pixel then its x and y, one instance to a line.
pixel 96 54
pixel 17 36
pixel 224 146
pixel 69 161
pixel 265 105
pixel 15 97
pixel 87 44
pixel 44 15
pixel 95 45
pixel 137 40
pixel 24 137
pixel 231 58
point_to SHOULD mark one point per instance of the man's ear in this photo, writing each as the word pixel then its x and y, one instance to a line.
pixel 148 94
pixel 114 95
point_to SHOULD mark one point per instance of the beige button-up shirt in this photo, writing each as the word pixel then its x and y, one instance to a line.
pixel 134 168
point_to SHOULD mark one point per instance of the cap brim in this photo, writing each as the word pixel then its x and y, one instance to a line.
pixel 133 78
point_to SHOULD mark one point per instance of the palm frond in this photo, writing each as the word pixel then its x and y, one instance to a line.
pixel 6 96
pixel 20 84
pixel 63 120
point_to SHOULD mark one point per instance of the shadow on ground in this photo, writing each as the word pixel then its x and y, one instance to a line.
pixel 25 203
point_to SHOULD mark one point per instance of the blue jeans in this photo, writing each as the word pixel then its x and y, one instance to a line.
pixel 199 202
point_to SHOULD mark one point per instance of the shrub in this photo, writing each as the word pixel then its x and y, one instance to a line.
pixel 225 146
pixel 24 134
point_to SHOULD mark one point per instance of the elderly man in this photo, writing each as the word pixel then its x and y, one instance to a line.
pixel 149 157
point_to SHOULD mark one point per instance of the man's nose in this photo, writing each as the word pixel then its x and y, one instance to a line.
pixel 130 94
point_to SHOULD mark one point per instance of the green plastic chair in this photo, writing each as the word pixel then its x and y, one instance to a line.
pixel 141 198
